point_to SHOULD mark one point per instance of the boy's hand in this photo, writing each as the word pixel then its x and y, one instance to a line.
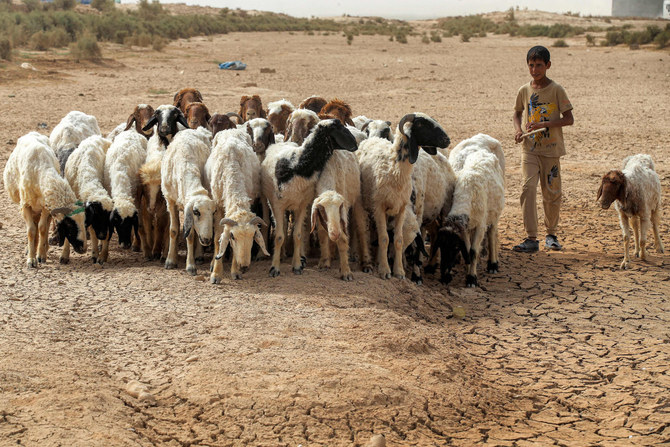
pixel 534 126
pixel 517 136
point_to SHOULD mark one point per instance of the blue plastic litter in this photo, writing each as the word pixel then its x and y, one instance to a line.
pixel 232 65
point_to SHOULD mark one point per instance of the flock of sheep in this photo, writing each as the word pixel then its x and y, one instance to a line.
pixel 362 183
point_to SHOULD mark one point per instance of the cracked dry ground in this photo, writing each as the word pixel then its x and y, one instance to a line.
pixel 557 349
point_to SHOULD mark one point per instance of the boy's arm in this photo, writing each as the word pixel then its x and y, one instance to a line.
pixel 517 126
pixel 565 120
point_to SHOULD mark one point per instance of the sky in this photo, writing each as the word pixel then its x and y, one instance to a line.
pixel 403 9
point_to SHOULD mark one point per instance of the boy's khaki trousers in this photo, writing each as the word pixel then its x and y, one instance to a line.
pixel 548 171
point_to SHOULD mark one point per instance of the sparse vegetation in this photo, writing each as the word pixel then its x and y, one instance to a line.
pixel 5 49
pixel 425 38
pixel 590 40
pixel 560 43
pixel 651 34
pixel 85 48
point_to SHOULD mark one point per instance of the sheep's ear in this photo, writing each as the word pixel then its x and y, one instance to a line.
pixel 270 136
pixel 223 243
pixel 413 149
pixel 182 119
pixel 600 191
pixel 188 219
pixel 322 217
pixel 258 237
pixel 151 123
pixel 129 123
pixel 314 219
pixel 432 150
pixel 420 244
pixel 244 99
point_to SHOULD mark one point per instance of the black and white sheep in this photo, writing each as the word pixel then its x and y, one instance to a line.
pixel 33 180
pixel 288 177
pixel 182 177
pixel 636 193
pixel 233 174
pixel 386 173
pixel 167 119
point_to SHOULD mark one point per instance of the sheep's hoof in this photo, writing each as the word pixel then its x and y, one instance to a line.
pixel 323 264
pixel 367 269
pixel 385 275
pixel 236 275
pixel 64 260
pixel 471 281
pixel 430 269
pixel 200 260
pixel 101 262
pixel 417 279
pixel 136 249
pixel 274 272
pixel 94 260
pixel 297 270
pixel 214 280
pixel 191 270
pixel 446 278
pixel 399 276
pixel 170 265
pixel 41 260
pixel 624 265
pixel 303 262
pixel 347 277
pixel 32 263
pixel 492 267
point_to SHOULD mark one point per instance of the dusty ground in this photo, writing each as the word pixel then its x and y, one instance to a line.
pixel 559 348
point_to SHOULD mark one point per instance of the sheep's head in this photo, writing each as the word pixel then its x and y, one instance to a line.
pixel 612 187
pixel 378 128
pixel 340 137
pixel 166 118
pixel 313 103
pixel 338 109
pixel 140 118
pixel 452 241
pixel 331 211
pixel 125 227
pixel 278 113
pixel 251 107
pixel 418 129
pixel 186 96
pixel 219 122
pixel 197 115
pixel 199 216
pixel 71 225
pixel 241 237
pixel 97 217
pixel 262 136
pixel 300 124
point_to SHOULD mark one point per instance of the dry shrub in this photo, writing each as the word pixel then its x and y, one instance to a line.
pixel 5 49
pixel 158 43
pixel 85 48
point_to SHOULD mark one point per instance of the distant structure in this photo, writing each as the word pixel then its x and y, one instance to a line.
pixel 639 8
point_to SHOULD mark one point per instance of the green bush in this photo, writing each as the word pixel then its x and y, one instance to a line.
pixel 590 40
pixel 5 49
pixel 465 37
pixel 663 38
pixel 560 43
pixel 103 5
pixel 158 43
pixel 425 39
pixel 40 41
pixel 401 38
pixel 435 37
pixel 85 48
pixel 64 4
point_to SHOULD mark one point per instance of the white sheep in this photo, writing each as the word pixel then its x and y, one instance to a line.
pixel 233 174
pixel 74 128
pixel 480 141
pixel 124 158
pixel 288 177
pixel 478 201
pixel 182 177
pixel 338 190
pixel 84 171
pixel 32 179
pixel 636 191
pixel 386 171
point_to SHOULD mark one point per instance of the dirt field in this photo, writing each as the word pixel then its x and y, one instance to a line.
pixel 560 348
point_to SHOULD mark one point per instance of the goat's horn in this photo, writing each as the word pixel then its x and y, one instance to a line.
pixel 257 221
pixel 409 117
pixel 226 221
pixel 229 114
pixel 365 126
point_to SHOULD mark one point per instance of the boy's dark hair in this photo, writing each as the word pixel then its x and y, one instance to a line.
pixel 538 52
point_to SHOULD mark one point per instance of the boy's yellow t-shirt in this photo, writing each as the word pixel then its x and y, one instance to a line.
pixel 539 105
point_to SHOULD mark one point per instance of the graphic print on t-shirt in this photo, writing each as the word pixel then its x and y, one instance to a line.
pixel 537 113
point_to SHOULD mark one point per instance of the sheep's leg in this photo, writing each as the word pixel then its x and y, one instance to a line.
pixel 218 229
pixel 265 231
pixel 398 222
pixel 65 253
pixel 625 229
pixel 104 252
pixel 635 221
pixel 95 254
pixel 298 227
pixel 43 233
pixel 324 244
pixel 235 271
pixel 343 249
pixel 360 224
pixel 278 214
pixel 161 236
pixel 147 228
pixel 198 249
pixel 431 264
pixel 492 266
pixel 190 253
pixel 644 229
pixel 137 240
pixel 655 220
pixel 31 230
pixel 475 250
pixel 383 244
pixel 171 261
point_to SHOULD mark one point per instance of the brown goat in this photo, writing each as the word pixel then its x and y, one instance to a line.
pixel 219 122
pixel 186 96
pixel 299 125
pixel 313 103
pixel 154 216
pixel 278 113
pixel 140 117
pixel 197 115
pixel 251 107
pixel 339 109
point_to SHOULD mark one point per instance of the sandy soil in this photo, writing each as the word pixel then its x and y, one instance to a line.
pixel 560 348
